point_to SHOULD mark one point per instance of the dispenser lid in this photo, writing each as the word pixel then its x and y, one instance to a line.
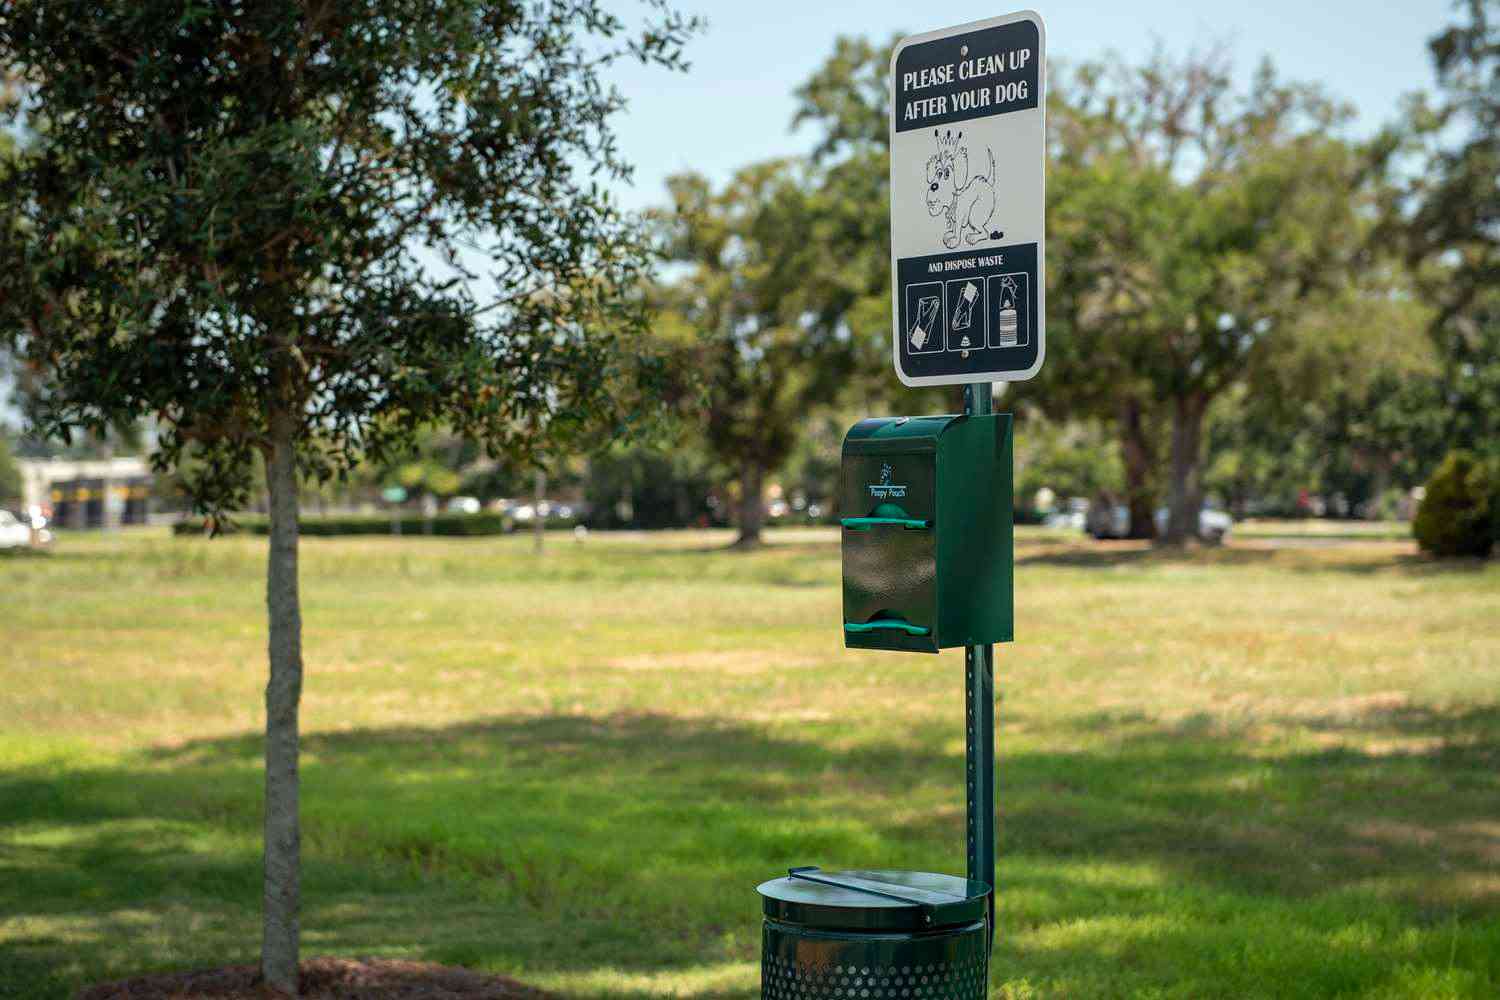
pixel 879 435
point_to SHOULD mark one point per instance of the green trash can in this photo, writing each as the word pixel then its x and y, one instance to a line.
pixel 874 935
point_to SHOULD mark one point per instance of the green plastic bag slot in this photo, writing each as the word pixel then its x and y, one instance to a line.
pixel 864 523
pixel 887 625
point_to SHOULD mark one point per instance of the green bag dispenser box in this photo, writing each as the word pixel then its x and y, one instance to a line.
pixel 928 537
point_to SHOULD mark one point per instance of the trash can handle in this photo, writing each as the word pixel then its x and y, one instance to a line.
pixel 802 873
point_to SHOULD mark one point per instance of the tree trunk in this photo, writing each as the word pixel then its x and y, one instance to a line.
pixel 752 510
pixel 283 838
pixel 1140 459
pixel 539 521
pixel 1185 494
pixel 1380 481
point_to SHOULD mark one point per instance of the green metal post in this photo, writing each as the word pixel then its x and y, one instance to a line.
pixel 979 739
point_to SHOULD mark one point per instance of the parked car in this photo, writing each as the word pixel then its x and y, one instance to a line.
pixel 1108 521
pixel 552 511
pixel 14 533
pixel 1213 525
pixel 1113 521
pixel 1076 520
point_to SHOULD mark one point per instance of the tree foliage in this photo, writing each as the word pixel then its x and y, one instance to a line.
pixel 759 315
pixel 1443 212
pixel 1073 458
pixel 848 98
pixel 634 487
pixel 224 212
pixel 1348 409
pixel 846 101
pixel 1453 200
pixel 1200 223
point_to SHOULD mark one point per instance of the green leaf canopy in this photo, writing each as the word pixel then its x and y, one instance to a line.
pixel 371 215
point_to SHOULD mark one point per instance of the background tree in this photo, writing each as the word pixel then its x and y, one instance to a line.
pixel 1091 373
pixel 1411 363
pixel 1072 458
pixel 665 487
pixel 215 227
pixel 755 317
pixel 1348 409
pixel 1199 224
pixel 846 100
pixel 1444 214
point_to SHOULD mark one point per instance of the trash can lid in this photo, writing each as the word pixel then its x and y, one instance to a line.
pixel 873 900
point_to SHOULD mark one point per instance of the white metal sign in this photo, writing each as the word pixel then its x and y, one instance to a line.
pixel 968 206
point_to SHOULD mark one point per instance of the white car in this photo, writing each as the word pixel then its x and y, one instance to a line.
pixel 14 533
pixel 1114 522
pixel 1213 525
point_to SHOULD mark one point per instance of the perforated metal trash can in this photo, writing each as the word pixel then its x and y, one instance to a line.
pixel 874 935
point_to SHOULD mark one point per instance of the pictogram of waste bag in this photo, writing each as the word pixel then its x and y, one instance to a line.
pixel 964 314
pixel 928 308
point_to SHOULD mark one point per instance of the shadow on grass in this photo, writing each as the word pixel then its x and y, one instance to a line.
pixel 26 552
pixel 1118 555
pixel 821 548
pixel 771 549
pixel 569 845
pixel 1354 558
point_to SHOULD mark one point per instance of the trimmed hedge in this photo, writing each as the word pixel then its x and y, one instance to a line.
pixel 368 524
pixel 1460 512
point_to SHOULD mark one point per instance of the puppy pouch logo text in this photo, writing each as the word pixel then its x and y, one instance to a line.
pixel 885 489
pixel 965 202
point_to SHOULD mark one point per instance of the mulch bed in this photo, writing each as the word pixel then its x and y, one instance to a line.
pixel 323 979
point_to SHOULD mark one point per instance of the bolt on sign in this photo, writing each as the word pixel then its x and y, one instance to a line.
pixel 968 148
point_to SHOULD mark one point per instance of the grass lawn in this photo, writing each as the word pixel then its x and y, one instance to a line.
pixel 1259 771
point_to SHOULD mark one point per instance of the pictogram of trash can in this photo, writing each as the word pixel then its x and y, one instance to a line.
pixel 874 935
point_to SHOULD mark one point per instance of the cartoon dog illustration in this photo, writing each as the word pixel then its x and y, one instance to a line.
pixel 967 203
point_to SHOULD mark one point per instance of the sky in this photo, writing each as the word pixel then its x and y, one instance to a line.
pixel 735 105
